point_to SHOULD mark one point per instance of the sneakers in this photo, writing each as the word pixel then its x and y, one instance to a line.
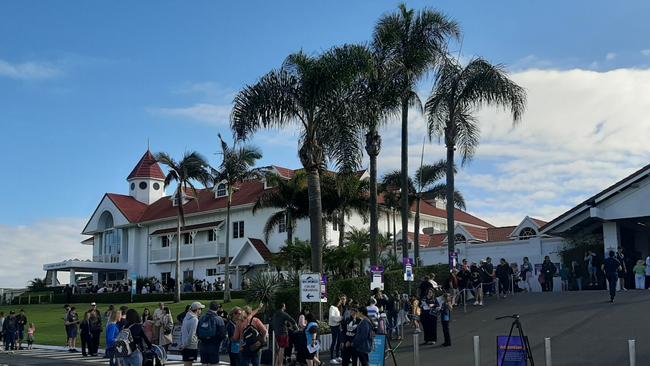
pixel 335 362
pixel 475 303
pixel 480 303
pixel 339 359
pixel 417 331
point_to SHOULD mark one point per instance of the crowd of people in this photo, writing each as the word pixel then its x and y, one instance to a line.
pixel 14 328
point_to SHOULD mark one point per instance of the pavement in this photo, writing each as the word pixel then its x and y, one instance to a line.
pixel 585 329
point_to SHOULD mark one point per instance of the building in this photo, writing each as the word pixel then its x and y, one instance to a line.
pixel 134 234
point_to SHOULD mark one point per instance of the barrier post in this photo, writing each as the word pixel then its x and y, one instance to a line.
pixel 631 345
pixel 464 300
pixel 547 351
pixel 273 347
pixel 416 349
pixel 496 287
pixel 477 352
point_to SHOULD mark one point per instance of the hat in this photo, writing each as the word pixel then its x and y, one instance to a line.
pixel 196 305
pixel 214 305
pixel 93 304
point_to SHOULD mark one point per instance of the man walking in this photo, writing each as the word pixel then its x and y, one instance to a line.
pixel 211 331
pixel 279 324
pixel 189 341
pixel 611 267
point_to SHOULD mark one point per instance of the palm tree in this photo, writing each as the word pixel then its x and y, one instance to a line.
pixel 343 194
pixel 307 92
pixel 416 41
pixel 236 166
pixel 193 167
pixel 457 93
pixel 393 196
pixel 290 195
pixel 37 284
pixel 425 177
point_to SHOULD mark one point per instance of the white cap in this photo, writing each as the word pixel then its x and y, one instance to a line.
pixel 196 305
pixel 93 304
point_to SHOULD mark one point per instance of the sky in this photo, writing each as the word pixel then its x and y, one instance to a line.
pixel 85 87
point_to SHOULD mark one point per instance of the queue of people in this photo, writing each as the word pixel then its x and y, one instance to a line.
pixel 14 330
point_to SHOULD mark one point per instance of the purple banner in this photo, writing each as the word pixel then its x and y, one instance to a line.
pixel 516 355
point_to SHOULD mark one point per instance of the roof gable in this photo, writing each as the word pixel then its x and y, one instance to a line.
pixel 109 204
pixel 147 167
pixel 253 252
pixel 526 222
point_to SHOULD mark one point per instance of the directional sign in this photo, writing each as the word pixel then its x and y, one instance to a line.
pixel 377 279
pixel 323 289
pixel 310 287
pixel 408 269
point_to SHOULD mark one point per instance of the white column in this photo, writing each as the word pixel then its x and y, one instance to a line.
pixel 73 279
pixel 53 281
pixel 611 236
pixel 237 284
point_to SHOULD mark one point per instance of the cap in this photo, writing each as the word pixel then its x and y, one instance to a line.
pixel 196 305
pixel 214 305
pixel 93 304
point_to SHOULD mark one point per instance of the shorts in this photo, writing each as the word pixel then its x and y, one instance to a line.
pixel 283 341
pixel 72 332
pixel 621 274
pixel 310 356
pixel 189 354
pixel 209 353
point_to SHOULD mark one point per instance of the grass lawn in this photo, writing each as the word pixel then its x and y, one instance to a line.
pixel 48 318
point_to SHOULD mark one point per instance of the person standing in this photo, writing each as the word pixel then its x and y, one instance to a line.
pixel 489 268
pixel 576 275
pixel 249 350
pixel 31 333
pixel 84 330
pixel 9 329
pixel 445 319
pixel 350 330
pixel 548 272
pixel 140 340
pixel 166 329
pixel 362 341
pixel 158 314
pixel 611 267
pixel 504 274
pixel 429 318
pixel 281 332
pixel 312 344
pixel 590 264
pixel 639 275
pixel 231 330
pixel 21 323
pixel 71 322
pixel 476 281
pixel 189 342
pixel 622 273
pixel 112 330
pixel 526 274
pixel 334 321
pixel 211 331
pixel 95 329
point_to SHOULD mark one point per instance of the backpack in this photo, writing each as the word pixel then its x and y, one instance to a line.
pixel 207 328
pixel 251 337
pixel 124 343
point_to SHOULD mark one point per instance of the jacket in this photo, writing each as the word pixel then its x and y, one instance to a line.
pixel 112 330
pixel 189 339
pixel 334 318
pixel 362 340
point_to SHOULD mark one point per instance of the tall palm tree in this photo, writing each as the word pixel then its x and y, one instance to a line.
pixel 457 94
pixel 236 166
pixel 307 92
pixel 392 191
pixel 425 178
pixel 193 167
pixel 416 40
pixel 289 195
pixel 343 194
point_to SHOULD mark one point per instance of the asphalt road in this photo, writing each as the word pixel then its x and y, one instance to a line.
pixel 585 329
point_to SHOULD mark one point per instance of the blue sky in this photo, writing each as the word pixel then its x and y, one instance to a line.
pixel 84 86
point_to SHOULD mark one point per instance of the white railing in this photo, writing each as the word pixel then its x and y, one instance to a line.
pixel 188 251
pixel 107 258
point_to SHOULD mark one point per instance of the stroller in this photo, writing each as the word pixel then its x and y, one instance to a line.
pixel 156 356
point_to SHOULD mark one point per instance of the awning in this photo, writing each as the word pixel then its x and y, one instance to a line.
pixel 198 227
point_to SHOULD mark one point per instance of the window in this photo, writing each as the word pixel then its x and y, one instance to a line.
pixel 164 241
pixel 221 190
pixel 335 224
pixel 165 276
pixel 188 275
pixel 212 236
pixel 238 229
pixel 156 186
pixel 211 272
pixel 459 238
pixel 187 238
pixel 527 232
pixel 282 225
pixel 132 186
pixel 143 185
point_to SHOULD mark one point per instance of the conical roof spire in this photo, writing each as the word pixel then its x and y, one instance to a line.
pixel 147 167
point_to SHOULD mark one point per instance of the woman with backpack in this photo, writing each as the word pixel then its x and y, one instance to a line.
pixel 166 328
pixel 131 341
pixel 112 330
pixel 313 344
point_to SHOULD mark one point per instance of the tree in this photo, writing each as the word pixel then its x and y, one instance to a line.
pixel 392 192
pixel 457 94
pixel 236 166
pixel 307 92
pixel 37 284
pixel 193 167
pixel 343 194
pixel 425 177
pixel 416 41
pixel 289 195
pixel 294 255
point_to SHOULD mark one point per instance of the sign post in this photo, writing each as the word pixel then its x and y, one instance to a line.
pixel 408 269
pixel 377 279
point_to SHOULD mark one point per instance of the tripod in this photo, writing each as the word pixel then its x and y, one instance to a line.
pixel 516 323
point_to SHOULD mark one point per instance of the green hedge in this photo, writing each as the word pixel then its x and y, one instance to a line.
pixel 125 297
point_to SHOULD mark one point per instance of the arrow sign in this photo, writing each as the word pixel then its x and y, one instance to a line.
pixel 310 287
pixel 309 296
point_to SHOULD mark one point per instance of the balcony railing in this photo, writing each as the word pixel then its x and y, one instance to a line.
pixel 188 251
pixel 107 258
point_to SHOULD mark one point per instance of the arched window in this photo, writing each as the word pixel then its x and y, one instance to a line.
pixel 460 238
pixel 527 232
pixel 105 221
pixel 221 190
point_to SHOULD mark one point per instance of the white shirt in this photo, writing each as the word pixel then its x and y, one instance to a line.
pixel 647 266
pixel 334 319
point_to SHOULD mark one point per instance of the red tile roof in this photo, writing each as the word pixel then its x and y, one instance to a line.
pixel 261 248
pixel 147 167
pixel 429 241
pixel 500 233
pixel 478 233
pixel 539 222
pixel 131 208
pixel 459 215
pixel 285 172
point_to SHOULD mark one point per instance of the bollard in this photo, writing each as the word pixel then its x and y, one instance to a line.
pixel 273 346
pixel 547 351
pixel 477 352
pixel 416 349
pixel 496 287
pixel 631 345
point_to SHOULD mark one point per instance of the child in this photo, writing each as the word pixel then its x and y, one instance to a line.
pixel 30 335
pixel 639 274
pixel 415 313
pixel 445 318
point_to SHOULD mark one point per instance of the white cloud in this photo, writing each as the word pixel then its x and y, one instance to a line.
pixel 208 89
pixel 26 248
pixel 213 114
pixel 646 52
pixel 28 70
pixel 610 56
pixel 582 131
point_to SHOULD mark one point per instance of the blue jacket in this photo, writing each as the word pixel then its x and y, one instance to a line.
pixel 362 341
pixel 112 330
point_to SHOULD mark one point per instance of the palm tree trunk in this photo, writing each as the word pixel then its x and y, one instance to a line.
pixel 416 232
pixel 373 143
pixel 226 262
pixel 177 294
pixel 405 177
pixel 450 202
pixel 315 218
pixel 341 224
pixel 289 220
pixel 394 234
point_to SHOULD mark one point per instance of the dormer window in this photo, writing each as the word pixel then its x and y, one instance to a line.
pixel 526 233
pixel 221 190
pixel 460 238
